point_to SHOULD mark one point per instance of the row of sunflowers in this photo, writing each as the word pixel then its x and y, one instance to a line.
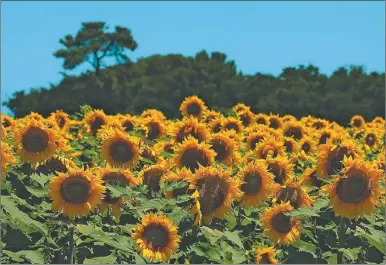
pixel 238 187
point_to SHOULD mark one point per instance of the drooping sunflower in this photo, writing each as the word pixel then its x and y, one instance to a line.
pixel 357 121
pixel 151 175
pixel 154 128
pixel 157 237
pixel 269 147
pixel 215 189
pixel 294 193
pixel 191 154
pixel 193 106
pixel 275 122
pixel 7 158
pixel 356 191
pixel 94 120
pixel 294 129
pixel 76 193
pixel 153 113
pixel 120 150
pixel 118 176
pixel 180 175
pixel 246 117
pixel 282 229
pixel 256 183
pixel 189 127
pixel 265 256
pixel 281 168
pixel 61 119
pixel 330 157
pixel 35 142
pixel 233 124
pixel 225 147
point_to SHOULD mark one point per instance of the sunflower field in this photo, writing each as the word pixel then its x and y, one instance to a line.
pixel 232 187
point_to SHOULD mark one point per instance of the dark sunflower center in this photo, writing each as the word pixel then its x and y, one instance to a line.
pixel 35 140
pixel 152 179
pixel 148 155
pixel 289 194
pixel 265 259
pixel 355 188
pixel 55 164
pixel 253 183
pixel 255 141
pixel 212 193
pixel 221 150
pixel 245 119
pixel 306 147
pixel 288 146
pixel 154 131
pixel 121 151
pixel 185 131
pixel 274 123
pixel 335 159
pixel 75 189
pixel 261 121
pixel 156 237
pixel 315 180
pixel 194 109
pixel 216 128
pixel 6 123
pixel 370 139
pixel 192 157
pixel 61 122
pixel 278 172
pixel 295 132
pixel 357 123
pixel 96 124
pixel 128 125
pixel 232 126
pixel 318 125
pixel 282 223
pixel 323 138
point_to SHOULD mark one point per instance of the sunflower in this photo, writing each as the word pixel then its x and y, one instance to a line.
pixel 371 139
pixel 7 158
pixel 233 124
pixel 330 157
pixel 157 237
pixel 215 189
pixel 128 122
pixel 120 150
pixel 151 175
pixel 76 193
pixel 319 124
pixel 290 145
pixel 357 121
pixel 265 256
pixel 275 122
pixel 57 164
pixel 294 193
pixel 282 229
pixel 153 113
pixel 240 107
pixel 281 168
pixel 3 132
pixel 61 119
pixel 191 154
pixel 294 129
pixel 269 147
pixel 356 192
pixel 246 117
pixel 254 138
pixel 324 134
pixel 192 106
pixel 6 120
pixel 225 148
pixel 34 116
pixel 181 175
pixel 215 125
pixel 379 120
pixel 189 127
pixel 164 146
pixel 115 176
pixel 310 177
pixel 210 115
pixel 94 120
pixel 154 128
pixel 35 142
pixel 307 145
pixel 256 183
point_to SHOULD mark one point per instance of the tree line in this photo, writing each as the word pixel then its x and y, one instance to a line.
pixel 162 82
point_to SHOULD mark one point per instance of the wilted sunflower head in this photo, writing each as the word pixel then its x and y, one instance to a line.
pixel 193 106
pixel 180 175
pixel 76 192
pixel 120 150
pixel 233 124
pixel 156 237
pixel 294 129
pixel 225 148
pixel 151 175
pixel 270 147
pixel 262 119
pixel 94 120
pixel 265 256
pixel 246 117
pixel 189 127
pixel 281 168
pixel 255 182
pixel 240 107
pixel 215 189
pixel 7 158
pixel 294 193
pixel 215 125
pixel 357 121
pixel 191 154
pixel 275 122
pixel 280 227
pixel 356 191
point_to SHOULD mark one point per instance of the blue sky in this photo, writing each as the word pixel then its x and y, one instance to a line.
pixel 259 36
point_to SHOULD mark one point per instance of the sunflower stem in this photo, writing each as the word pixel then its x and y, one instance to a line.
pixel 72 244
pixel 341 238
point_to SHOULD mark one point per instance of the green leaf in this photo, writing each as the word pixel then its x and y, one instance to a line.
pixel 41 179
pixel 211 234
pixel 139 259
pixel 231 221
pixel 330 257
pixel 34 256
pixel 350 253
pixel 172 185
pixel 178 216
pixel 320 203
pixel 153 204
pixel 37 192
pixel 234 238
pixel 148 161
pixel 12 255
pixel 303 212
pixel 166 154
pixel 110 259
pixel 375 238
pixel 306 247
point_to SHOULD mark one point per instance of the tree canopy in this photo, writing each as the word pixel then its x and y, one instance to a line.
pixel 162 82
